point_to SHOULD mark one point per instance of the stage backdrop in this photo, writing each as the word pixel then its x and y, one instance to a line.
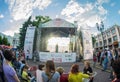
pixel 57 57
pixel 87 45
pixel 29 38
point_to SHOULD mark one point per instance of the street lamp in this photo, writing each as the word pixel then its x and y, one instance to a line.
pixel 101 29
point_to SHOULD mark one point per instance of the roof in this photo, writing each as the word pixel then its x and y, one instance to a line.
pixel 57 23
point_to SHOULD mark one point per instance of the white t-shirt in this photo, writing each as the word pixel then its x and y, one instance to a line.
pixel 39 75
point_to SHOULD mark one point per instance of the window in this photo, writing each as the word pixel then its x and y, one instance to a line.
pixel 105 42
pixel 113 31
pixel 114 38
pixel 108 33
pixel 100 43
pixel 96 44
pixel 109 40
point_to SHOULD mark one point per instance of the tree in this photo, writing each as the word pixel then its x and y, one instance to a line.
pixel 38 20
pixel 0 40
pixel 5 41
pixel 23 32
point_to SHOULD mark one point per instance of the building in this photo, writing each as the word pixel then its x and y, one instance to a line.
pixel 111 38
pixel 15 42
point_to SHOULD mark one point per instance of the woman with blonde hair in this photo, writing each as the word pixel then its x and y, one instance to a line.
pixel 50 75
pixel 75 75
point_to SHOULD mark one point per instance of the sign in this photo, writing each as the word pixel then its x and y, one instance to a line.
pixel 87 44
pixel 57 57
pixel 29 40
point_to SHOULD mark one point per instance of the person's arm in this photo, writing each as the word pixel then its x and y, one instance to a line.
pixel 85 75
pixel 16 78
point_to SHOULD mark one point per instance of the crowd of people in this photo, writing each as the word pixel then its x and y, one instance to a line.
pixel 109 57
pixel 14 68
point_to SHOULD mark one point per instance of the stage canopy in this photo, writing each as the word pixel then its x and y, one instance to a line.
pixel 57 30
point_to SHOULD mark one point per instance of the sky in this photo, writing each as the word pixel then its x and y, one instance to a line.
pixel 13 13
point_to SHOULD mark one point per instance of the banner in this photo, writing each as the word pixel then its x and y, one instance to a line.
pixel 87 44
pixel 57 57
pixel 29 40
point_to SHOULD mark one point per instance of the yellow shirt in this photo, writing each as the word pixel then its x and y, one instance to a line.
pixel 24 76
pixel 77 77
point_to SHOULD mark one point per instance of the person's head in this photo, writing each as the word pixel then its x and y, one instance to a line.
pixel 40 66
pixel 8 55
pixel 75 68
pixel 25 67
pixel 116 68
pixel 23 61
pixel 50 66
pixel 87 64
pixel 60 70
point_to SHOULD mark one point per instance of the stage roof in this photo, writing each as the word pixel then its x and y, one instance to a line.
pixel 57 23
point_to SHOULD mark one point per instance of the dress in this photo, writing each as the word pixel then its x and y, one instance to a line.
pixel 77 77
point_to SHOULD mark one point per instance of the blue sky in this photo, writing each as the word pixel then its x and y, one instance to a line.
pixel 87 12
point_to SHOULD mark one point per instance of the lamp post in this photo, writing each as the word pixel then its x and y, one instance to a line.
pixel 101 29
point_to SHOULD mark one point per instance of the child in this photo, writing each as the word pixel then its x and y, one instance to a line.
pixel 24 74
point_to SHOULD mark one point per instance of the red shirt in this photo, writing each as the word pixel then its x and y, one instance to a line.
pixel 64 78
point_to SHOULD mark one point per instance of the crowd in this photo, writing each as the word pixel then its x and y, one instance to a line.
pixel 108 57
pixel 14 68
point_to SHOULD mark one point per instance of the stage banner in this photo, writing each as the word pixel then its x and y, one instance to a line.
pixel 57 57
pixel 29 40
pixel 87 45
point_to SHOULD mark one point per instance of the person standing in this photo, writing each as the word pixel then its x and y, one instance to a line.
pixel 50 75
pixel 39 73
pixel 105 62
pixel 116 70
pixel 9 71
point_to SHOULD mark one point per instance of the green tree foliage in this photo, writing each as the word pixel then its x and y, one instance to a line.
pixel 4 41
pixel 23 32
pixel 38 20
pixel 0 40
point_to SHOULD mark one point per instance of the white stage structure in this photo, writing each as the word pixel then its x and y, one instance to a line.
pixel 58 51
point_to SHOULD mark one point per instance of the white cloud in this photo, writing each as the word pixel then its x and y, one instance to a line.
pixel 1 16
pixel 11 21
pixel 112 4
pixel 22 9
pixel 13 28
pixel 87 15
pixel 102 11
pixel 119 12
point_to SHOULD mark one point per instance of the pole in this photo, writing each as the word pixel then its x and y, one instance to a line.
pixel 103 40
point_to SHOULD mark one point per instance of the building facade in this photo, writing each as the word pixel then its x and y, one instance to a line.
pixel 15 42
pixel 110 40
